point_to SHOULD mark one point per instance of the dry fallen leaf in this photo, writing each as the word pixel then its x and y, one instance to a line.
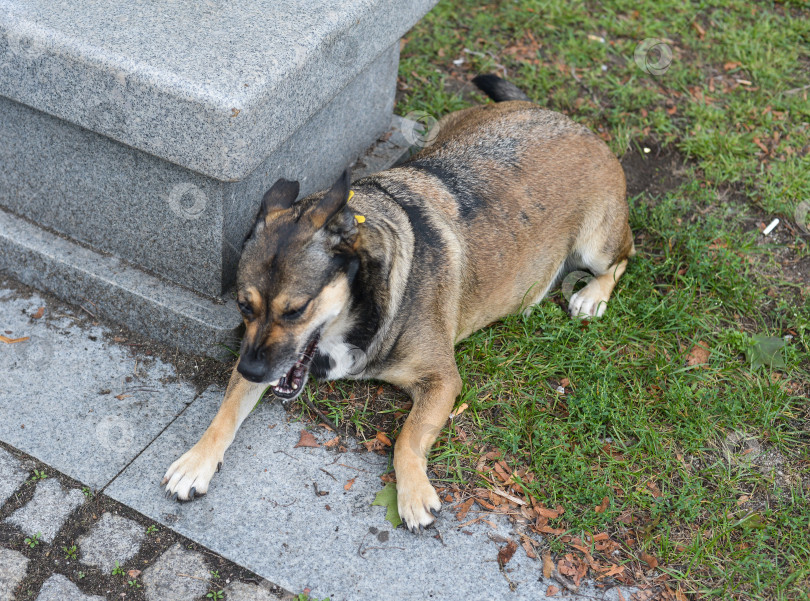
pixel 602 506
pixel 330 443
pixel 306 440
pixel 465 507
pixel 40 312
pixel 463 407
pixel 525 542
pixel 506 552
pixel 134 573
pixel 375 445
pixel 383 439
pixel 547 513
pixel 648 559
pixel 8 340
pixel 349 484
pixel 699 355
pixel 552 590
pixel 548 565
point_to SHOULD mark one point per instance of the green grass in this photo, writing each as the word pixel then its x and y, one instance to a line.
pixel 705 467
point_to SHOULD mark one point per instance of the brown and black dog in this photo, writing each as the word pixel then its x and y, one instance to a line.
pixel 381 281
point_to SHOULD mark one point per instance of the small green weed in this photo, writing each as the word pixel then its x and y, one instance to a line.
pixel 38 475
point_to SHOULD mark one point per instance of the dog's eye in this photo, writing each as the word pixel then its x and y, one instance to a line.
pixel 245 309
pixel 294 314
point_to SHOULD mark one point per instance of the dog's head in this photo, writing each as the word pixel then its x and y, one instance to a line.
pixel 294 281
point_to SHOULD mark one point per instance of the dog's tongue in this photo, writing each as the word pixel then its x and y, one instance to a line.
pixel 290 385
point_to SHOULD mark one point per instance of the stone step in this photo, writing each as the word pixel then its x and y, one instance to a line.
pixel 212 88
pixel 146 136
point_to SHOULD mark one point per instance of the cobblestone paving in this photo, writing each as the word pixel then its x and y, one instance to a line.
pixel 44 515
pixel 91 548
pixel 176 576
pixel 59 588
pixel 113 539
pixel 12 475
pixel 12 570
pixel 239 591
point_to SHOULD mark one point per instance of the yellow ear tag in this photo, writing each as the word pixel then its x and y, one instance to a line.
pixel 357 218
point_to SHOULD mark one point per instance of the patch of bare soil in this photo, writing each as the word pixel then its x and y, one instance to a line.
pixel 653 173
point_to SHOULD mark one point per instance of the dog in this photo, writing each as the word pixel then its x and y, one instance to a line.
pixel 380 279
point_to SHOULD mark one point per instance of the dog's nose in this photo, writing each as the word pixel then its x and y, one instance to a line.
pixel 252 368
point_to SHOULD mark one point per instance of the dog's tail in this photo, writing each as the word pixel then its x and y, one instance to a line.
pixel 499 89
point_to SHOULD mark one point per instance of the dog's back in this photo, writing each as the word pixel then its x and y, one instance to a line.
pixel 517 193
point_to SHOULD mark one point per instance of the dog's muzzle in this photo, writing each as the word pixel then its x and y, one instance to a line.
pixel 290 385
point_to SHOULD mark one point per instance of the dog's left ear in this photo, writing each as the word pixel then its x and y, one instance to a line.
pixel 278 198
pixel 331 204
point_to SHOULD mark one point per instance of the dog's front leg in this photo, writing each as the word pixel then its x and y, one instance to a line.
pixel 433 400
pixel 190 475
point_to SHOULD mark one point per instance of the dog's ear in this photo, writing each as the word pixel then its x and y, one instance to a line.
pixel 278 198
pixel 331 203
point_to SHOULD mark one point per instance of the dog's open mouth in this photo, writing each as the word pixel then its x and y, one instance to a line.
pixel 290 386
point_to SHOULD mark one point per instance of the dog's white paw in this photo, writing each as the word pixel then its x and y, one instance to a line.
pixel 416 497
pixel 190 475
pixel 588 302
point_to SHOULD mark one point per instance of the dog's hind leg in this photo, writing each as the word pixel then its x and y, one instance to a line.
pixel 433 398
pixel 592 300
pixel 190 475
pixel 606 257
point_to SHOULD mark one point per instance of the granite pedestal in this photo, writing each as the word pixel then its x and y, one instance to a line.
pixel 136 141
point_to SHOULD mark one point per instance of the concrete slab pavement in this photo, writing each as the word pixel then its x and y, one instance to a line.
pixel 72 397
pixel 266 509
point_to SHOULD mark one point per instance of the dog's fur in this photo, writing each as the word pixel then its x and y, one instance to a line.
pixel 478 225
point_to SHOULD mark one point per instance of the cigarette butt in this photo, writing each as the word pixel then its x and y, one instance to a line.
pixel 771 226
